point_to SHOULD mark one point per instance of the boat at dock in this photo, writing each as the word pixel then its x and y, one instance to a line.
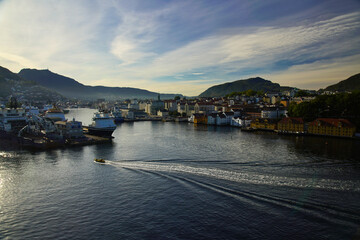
pixel 11 121
pixel 103 125
pixel 117 114
pixel 55 114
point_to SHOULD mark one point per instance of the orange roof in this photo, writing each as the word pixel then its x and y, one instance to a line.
pixel 292 120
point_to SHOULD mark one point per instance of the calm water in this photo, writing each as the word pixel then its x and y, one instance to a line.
pixel 180 181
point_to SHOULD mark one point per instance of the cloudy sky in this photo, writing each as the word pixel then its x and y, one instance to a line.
pixel 183 46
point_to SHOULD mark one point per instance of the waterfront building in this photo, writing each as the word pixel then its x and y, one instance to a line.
pixel 240 122
pixel 211 119
pixel 221 119
pixel 264 124
pixel 332 127
pixel 291 125
pixel 198 118
pixel 163 113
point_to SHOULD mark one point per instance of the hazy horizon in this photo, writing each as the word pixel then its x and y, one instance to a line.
pixel 183 46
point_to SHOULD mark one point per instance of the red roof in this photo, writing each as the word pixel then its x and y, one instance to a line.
pixel 332 122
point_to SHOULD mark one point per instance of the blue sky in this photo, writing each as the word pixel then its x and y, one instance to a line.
pixel 183 46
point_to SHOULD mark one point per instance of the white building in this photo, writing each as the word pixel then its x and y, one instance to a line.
pixel 273 112
pixel 239 122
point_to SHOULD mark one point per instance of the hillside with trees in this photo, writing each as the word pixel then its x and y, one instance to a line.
pixel 341 105
pixel 350 84
pixel 255 84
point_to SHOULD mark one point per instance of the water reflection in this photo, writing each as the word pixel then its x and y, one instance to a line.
pixel 325 147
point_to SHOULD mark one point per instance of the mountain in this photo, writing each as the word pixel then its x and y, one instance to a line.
pixel 7 74
pixel 350 84
pixel 71 88
pixel 256 84
pixel 11 84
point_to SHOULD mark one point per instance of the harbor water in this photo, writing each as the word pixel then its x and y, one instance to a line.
pixel 182 181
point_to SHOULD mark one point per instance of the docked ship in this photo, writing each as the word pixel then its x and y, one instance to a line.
pixel 11 121
pixel 103 125
pixel 117 114
pixel 55 114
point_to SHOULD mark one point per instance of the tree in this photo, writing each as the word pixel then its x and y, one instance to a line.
pixel 13 103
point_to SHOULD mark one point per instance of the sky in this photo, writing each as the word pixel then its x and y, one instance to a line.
pixel 183 46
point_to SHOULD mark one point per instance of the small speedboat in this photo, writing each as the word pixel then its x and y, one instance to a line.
pixel 99 160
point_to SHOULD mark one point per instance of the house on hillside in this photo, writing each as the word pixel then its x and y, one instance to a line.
pixel 273 112
pixel 204 107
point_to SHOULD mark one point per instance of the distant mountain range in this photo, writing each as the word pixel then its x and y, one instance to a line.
pixel 350 84
pixel 71 88
pixel 257 84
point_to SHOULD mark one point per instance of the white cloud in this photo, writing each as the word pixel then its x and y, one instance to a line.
pixel 258 48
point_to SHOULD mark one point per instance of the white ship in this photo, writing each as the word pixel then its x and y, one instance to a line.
pixel 11 120
pixel 102 125
pixel 55 114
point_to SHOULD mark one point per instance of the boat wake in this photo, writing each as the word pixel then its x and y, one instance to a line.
pixel 241 177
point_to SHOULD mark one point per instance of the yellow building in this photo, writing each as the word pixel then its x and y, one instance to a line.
pixel 332 127
pixel 199 118
pixel 263 124
pixel 291 125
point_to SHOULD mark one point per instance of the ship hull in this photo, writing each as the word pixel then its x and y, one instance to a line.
pixel 101 132
pixel 119 120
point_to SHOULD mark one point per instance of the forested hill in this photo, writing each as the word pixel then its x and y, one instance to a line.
pixel 257 84
pixel 350 84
